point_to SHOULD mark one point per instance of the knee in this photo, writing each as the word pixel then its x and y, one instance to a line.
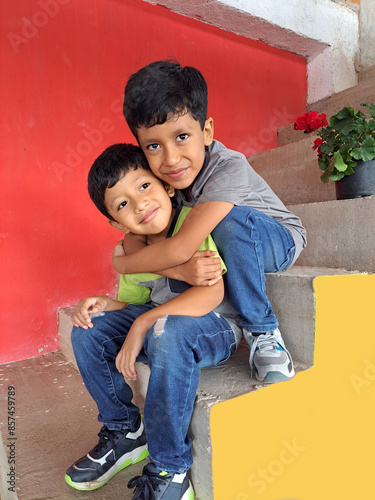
pixel 168 333
pixel 79 339
pixel 232 224
pixel 225 224
pixel 85 342
pixel 159 334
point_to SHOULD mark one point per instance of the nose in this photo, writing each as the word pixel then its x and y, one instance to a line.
pixel 140 205
pixel 171 156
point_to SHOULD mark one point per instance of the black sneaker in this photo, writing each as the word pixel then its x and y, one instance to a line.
pixel 115 451
pixel 161 485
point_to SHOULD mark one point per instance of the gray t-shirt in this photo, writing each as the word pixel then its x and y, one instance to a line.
pixel 227 176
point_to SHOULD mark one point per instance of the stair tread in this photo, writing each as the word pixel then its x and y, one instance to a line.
pixel 311 271
pixel 226 381
pixel 334 230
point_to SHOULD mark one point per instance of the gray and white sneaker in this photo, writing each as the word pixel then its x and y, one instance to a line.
pixel 269 359
pixel 155 484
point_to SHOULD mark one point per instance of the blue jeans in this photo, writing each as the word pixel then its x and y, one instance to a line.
pixel 176 352
pixel 251 244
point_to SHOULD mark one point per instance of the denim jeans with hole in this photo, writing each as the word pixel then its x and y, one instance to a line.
pixel 176 348
pixel 251 244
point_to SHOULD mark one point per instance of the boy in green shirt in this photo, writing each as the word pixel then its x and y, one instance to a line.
pixel 177 329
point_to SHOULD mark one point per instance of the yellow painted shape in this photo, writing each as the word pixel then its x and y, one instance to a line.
pixel 313 437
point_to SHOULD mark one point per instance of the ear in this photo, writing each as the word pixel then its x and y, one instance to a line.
pixel 208 131
pixel 118 226
pixel 169 189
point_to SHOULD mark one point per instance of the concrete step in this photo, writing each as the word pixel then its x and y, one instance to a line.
pixel 292 296
pixel 367 75
pixel 293 286
pixel 287 135
pixel 340 234
pixel 293 173
pixel 353 96
pixel 291 293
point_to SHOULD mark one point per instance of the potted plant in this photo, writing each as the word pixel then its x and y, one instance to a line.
pixel 345 146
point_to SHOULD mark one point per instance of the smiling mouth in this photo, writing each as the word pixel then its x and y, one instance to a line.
pixel 149 216
pixel 176 174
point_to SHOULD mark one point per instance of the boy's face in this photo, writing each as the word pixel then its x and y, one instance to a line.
pixel 140 203
pixel 175 149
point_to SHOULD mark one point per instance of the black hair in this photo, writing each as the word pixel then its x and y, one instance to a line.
pixel 162 89
pixel 115 161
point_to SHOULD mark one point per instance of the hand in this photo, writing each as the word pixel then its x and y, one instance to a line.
pixel 125 360
pixel 203 269
pixel 90 305
pixel 118 250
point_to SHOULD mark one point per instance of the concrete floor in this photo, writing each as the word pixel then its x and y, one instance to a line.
pixel 56 423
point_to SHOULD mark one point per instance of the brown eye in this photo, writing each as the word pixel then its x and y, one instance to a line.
pixel 182 137
pixel 122 205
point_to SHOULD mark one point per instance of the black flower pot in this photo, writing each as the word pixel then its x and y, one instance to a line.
pixel 361 183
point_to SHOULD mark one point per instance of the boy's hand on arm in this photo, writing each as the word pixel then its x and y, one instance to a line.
pixel 93 305
pixel 203 269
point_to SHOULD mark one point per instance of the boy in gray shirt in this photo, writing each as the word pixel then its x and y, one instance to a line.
pixel 165 107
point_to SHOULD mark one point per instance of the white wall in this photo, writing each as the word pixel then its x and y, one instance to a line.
pixel 367 23
pixel 326 32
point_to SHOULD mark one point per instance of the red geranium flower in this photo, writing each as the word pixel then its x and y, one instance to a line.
pixel 318 141
pixel 300 123
pixel 310 121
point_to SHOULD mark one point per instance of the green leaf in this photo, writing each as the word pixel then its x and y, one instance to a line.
pixel 344 151
pixel 351 164
pixel 346 112
pixel 349 170
pixel 322 164
pixel 326 148
pixel 338 162
pixel 372 110
pixel 325 177
pixel 358 128
pixel 343 120
pixel 366 152
pixel 336 176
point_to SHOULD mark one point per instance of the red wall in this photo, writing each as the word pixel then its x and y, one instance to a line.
pixel 64 66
